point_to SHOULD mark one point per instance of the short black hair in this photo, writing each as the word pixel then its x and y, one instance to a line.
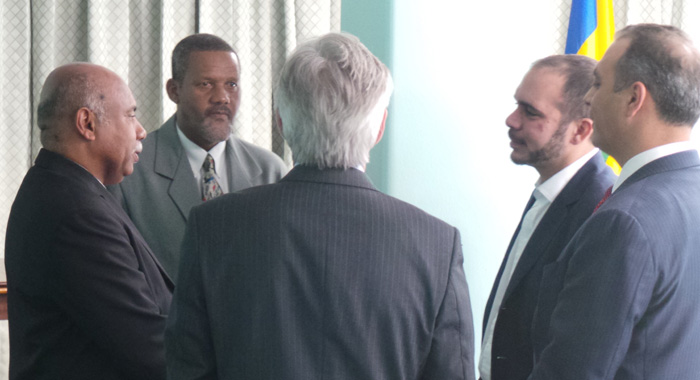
pixel 195 42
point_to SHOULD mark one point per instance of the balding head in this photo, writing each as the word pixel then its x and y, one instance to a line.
pixel 67 89
pixel 664 58
pixel 87 114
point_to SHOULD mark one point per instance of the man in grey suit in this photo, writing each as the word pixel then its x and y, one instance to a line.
pixel 321 276
pixel 550 130
pixel 193 157
pixel 625 293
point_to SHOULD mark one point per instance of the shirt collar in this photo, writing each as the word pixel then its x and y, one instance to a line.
pixel 635 163
pixel 195 153
pixel 556 183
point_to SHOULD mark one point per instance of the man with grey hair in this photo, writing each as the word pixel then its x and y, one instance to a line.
pixel 87 297
pixel 623 301
pixel 193 157
pixel 321 276
pixel 550 130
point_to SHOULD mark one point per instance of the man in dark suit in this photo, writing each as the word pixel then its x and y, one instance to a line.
pixel 321 276
pixel 171 177
pixel 625 293
pixel 87 298
pixel 550 130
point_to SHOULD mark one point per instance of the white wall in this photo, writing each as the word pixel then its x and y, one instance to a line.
pixel 456 66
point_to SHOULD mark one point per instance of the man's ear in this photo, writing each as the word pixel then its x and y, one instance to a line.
pixel 583 128
pixel 85 123
pixel 173 90
pixel 381 128
pixel 637 96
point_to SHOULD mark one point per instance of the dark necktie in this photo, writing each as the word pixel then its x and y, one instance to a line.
pixel 608 192
pixel 210 186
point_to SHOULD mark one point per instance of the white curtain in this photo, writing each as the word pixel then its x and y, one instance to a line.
pixel 135 38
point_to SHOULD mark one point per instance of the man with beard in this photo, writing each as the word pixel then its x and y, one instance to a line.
pixel 321 276
pixel 550 130
pixel 623 300
pixel 193 157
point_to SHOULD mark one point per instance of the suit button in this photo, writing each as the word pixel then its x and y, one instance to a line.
pixel 501 358
pixel 503 308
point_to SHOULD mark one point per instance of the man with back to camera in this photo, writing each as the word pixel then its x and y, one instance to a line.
pixel 550 130
pixel 193 157
pixel 628 303
pixel 87 297
pixel 321 276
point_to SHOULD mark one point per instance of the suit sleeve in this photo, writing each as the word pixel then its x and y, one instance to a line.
pixel 190 352
pixel 452 352
pixel 607 286
pixel 105 293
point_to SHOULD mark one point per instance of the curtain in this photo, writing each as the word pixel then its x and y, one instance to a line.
pixel 135 38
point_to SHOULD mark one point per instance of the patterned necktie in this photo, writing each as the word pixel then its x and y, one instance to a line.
pixel 210 187
pixel 608 192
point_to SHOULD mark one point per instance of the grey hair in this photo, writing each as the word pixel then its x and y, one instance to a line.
pixel 331 96
pixel 195 42
pixel 63 101
pixel 671 73
pixel 577 71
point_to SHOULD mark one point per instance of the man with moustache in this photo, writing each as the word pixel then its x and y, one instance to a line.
pixel 193 157
pixel 549 130
pixel 87 297
pixel 321 276
pixel 625 293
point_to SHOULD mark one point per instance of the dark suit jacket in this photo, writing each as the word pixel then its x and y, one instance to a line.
pixel 512 354
pixel 319 277
pixel 625 294
pixel 87 298
pixel 159 194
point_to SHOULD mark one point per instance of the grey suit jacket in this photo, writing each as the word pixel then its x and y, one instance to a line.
pixel 159 194
pixel 512 353
pixel 624 298
pixel 319 276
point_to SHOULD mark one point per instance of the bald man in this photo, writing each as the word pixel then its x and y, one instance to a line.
pixel 87 297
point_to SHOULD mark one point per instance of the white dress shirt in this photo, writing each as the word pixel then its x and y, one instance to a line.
pixel 545 193
pixel 635 163
pixel 196 156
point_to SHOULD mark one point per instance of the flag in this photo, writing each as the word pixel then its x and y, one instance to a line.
pixel 591 31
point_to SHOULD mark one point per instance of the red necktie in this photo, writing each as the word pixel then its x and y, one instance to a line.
pixel 605 198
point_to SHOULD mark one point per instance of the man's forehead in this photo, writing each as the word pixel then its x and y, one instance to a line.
pixel 613 54
pixel 540 83
pixel 212 61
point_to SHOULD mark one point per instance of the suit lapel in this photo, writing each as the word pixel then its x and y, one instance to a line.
pixel 171 162
pixel 497 281
pixel 241 169
pixel 118 210
pixel 548 228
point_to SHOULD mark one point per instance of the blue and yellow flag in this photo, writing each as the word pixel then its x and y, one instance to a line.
pixel 591 31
